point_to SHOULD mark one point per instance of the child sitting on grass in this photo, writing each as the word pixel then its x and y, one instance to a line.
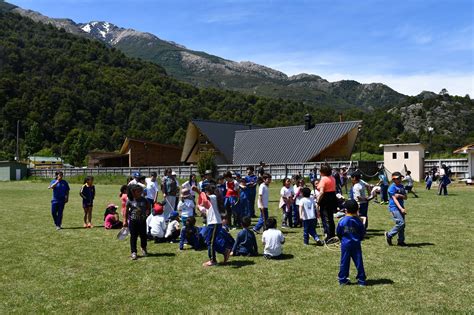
pixel 245 244
pixel 172 230
pixel 111 218
pixel 156 224
pixel 190 235
pixel 351 231
pixel 307 211
pixel 137 210
pixel 273 240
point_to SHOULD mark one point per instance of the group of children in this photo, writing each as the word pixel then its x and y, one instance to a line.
pixel 231 198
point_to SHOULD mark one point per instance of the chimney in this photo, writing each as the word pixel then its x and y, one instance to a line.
pixel 308 122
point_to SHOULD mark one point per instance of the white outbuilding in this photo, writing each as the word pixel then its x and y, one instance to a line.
pixel 405 157
pixel 469 150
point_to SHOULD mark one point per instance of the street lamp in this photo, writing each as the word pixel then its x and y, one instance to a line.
pixel 430 134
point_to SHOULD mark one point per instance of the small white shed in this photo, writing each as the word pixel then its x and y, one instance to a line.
pixel 405 157
pixel 469 150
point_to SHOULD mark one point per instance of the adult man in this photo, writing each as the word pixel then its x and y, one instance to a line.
pixel 152 189
pixel 60 189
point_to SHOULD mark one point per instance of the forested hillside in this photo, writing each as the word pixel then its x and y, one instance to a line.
pixel 72 95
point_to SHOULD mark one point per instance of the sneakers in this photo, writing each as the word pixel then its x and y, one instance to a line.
pixel 144 252
pixel 209 263
pixel 134 256
pixel 319 242
pixel 58 227
pixel 403 244
pixel 388 239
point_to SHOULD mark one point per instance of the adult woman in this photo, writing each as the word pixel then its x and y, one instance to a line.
pixel 191 185
pixel 327 200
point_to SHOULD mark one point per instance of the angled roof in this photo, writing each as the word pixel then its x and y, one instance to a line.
pixel 465 149
pixel 221 134
pixel 126 143
pixel 287 144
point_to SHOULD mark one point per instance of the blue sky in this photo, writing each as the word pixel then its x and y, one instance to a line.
pixel 410 45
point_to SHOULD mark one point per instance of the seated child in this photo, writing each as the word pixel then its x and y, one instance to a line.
pixel 186 205
pixel 225 224
pixel 272 240
pixel 245 244
pixel 351 231
pixel 111 218
pixel 191 235
pixel 307 211
pixel 156 224
pixel 172 230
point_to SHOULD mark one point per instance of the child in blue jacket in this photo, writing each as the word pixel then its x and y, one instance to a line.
pixel 246 243
pixel 351 231
pixel 191 235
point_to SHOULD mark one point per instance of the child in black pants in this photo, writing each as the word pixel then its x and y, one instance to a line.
pixel 137 210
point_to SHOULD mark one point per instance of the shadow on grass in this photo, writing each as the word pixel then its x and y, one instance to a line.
pixel 419 244
pixel 161 254
pixel 284 257
pixel 371 282
pixel 240 263
pixel 83 228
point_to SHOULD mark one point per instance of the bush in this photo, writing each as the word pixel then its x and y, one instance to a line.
pixel 207 162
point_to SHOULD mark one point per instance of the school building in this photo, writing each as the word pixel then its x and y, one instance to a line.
pixel 469 151
pixel 405 157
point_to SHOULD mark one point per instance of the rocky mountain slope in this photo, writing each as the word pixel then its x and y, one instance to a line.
pixel 205 70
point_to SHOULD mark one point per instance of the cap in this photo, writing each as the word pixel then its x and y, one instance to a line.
pixel 185 193
pixel 136 174
pixel 396 175
pixel 208 172
pixel 174 214
pixel 158 208
pixel 111 205
pixel 173 173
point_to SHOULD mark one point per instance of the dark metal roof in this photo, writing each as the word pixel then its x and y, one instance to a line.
pixel 221 134
pixel 287 144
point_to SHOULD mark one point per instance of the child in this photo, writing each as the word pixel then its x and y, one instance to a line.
pixel 172 230
pixel 308 215
pixel 272 240
pixel 221 185
pixel 111 218
pixel 245 244
pixel 186 205
pixel 231 199
pixel 208 205
pixel 244 199
pixel 298 196
pixel 87 194
pixel 60 189
pixel 225 224
pixel 156 224
pixel 359 196
pixel 190 234
pixel 409 185
pixel 286 203
pixel 137 210
pixel 428 180
pixel 397 195
pixel 351 231
pixel 263 202
pixel 123 199
pixel 251 180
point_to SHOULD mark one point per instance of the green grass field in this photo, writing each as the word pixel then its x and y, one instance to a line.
pixel 89 271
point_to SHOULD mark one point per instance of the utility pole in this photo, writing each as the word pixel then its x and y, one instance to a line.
pixel 17 154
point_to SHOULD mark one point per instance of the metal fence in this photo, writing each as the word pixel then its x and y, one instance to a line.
pixel 459 167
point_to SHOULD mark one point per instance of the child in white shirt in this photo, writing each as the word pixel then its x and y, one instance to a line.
pixel 307 211
pixel 273 240
pixel 173 230
pixel 186 205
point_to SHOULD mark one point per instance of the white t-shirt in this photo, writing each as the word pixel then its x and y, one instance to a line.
pixel 285 192
pixel 157 225
pixel 263 191
pixel 152 188
pixel 298 194
pixel 188 186
pixel 172 226
pixel 309 211
pixel 409 180
pixel 273 240
pixel 358 190
pixel 212 214
pixel 186 207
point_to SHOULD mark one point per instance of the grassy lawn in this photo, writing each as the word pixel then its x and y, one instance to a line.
pixel 89 271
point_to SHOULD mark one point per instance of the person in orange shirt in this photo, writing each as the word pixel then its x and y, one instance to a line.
pixel 327 201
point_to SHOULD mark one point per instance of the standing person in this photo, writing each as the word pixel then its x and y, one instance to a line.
pixel 313 176
pixel 359 196
pixel 337 177
pixel 137 210
pixel 409 185
pixel 186 205
pixel 444 181
pixel 286 203
pixel 152 189
pixel 261 171
pixel 298 195
pixel 87 194
pixel 327 201
pixel 251 180
pixel 428 180
pixel 262 202
pixel 244 199
pixel 206 181
pixel 231 199
pixel 192 186
pixel 396 206
pixel 123 199
pixel 351 231
pixel 344 178
pixel 169 188
pixel 307 211
pixel 60 189
pixel 383 183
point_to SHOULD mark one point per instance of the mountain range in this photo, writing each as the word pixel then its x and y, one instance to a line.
pixel 205 70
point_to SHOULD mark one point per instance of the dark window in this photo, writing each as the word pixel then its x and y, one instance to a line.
pixel 394 155
pixel 406 155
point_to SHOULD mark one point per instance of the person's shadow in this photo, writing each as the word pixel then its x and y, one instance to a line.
pixel 240 263
pixel 161 254
pixel 417 245
pixel 371 282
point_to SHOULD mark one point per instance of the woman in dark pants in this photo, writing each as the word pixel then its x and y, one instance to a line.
pixel 327 200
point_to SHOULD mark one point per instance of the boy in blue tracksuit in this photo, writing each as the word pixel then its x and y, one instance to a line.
pixel 246 243
pixel 60 189
pixel 251 180
pixel 191 235
pixel 244 199
pixel 351 231
pixel 396 206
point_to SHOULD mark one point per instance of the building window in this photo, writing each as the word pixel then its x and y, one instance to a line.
pixel 394 155
pixel 406 155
